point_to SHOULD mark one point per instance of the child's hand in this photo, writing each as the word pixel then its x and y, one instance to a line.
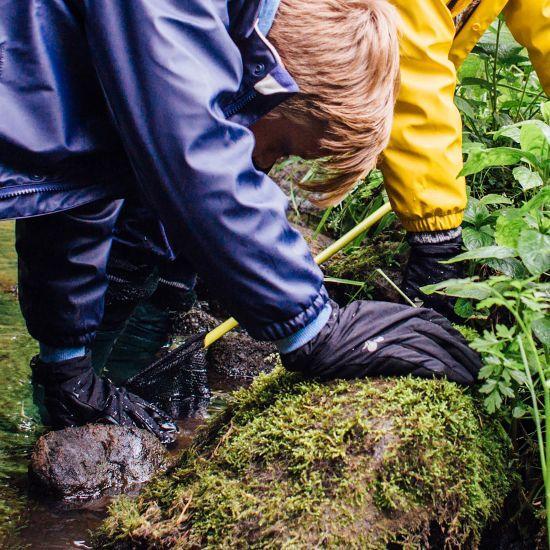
pixel 74 395
pixel 380 338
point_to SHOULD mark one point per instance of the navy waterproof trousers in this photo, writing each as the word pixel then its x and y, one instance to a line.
pixel 65 260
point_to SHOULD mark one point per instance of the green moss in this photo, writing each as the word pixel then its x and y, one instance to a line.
pixel 349 464
pixel 17 428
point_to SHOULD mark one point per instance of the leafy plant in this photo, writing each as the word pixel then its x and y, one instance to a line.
pixel 515 348
pixel 533 138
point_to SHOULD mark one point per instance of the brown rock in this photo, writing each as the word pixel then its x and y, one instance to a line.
pixel 86 462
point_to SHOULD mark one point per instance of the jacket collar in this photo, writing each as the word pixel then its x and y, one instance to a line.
pixel 266 16
pixel 266 83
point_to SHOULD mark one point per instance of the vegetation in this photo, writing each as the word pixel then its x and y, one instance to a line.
pixel 504 301
pixel 17 428
pixel 302 464
pixel 507 240
pixel 287 457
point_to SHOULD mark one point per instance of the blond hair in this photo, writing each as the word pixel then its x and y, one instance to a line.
pixel 344 55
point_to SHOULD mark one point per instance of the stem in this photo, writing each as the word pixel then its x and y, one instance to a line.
pixel 544 452
pixel 494 90
pixel 536 412
pixel 396 288
pixel 522 96
pixel 516 89
pixel 526 112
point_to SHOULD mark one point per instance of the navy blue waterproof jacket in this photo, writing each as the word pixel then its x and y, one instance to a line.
pixel 98 97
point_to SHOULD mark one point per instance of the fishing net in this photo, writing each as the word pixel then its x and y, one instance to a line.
pixel 177 382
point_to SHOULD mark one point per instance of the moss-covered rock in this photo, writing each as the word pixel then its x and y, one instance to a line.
pixel 300 464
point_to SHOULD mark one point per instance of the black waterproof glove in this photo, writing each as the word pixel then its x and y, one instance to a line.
pixel 74 395
pixel 385 339
pixel 424 268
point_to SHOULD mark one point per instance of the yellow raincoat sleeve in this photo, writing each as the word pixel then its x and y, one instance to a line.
pixel 424 155
pixel 529 22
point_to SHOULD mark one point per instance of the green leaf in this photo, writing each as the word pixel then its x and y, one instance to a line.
pixel 469 146
pixel 535 138
pixel 463 308
pixel 474 81
pixel 519 412
pixel 493 402
pixel 526 178
pixel 509 225
pixel 494 199
pixel 505 390
pixel 512 131
pixel 475 213
pixel 545 111
pixel 509 266
pixel 483 253
pixel 339 281
pixel 472 66
pixel 534 251
pixel 480 159
pixel 504 332
pixel 465 107
pixel 539 201
pixel 489 386
pixel 541 328
pixel 460 288
pixel 476 238
pixel 519 377
pixel 486 371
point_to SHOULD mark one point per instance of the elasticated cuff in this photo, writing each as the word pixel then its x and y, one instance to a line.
pixel 280 330
pixel 434 237
pixel 50 354
pixel 50 338
pixel 433 223
pixel 306 334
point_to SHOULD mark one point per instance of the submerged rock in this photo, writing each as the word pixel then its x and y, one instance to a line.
pixel 300 464
pixel 86 462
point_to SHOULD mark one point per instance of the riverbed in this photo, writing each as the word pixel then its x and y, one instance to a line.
pixel 28 519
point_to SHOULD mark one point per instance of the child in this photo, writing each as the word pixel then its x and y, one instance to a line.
pixel 424 156
pixel 108 98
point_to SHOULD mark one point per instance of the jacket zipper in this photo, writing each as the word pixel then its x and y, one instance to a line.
pixel 31 190
pixel 234 108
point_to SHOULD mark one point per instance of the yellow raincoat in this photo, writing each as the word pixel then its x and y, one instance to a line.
pixel 424 156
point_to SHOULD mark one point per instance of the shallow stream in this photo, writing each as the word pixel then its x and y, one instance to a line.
pixel 27 519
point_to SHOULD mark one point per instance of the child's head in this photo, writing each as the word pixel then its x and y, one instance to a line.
pixel 344 55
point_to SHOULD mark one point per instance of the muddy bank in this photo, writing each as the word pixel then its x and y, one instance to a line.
pixel 348 464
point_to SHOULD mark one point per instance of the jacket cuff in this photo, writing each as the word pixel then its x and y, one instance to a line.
pixel 280 330
pixel 50 354
pixel 303 336
pixel 434 237
pixel 433 223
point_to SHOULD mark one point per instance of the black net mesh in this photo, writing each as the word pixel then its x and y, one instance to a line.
pixel 178 382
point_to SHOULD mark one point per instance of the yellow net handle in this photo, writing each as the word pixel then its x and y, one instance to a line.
pixel 321 258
